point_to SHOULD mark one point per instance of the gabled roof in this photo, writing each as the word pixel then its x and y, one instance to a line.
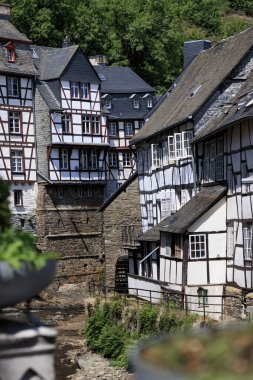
pixel 180 221
pixel 9 32
pixel 53 61
pixel 116 80
pixel 202 77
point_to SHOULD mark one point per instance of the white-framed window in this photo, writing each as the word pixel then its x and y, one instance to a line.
pixel 168 203
pixel 136 102
pixel 16 161
pixel 74 89
pixel 66 123
pixel 84 159
pixel 18 198
pixel 156 156
pixel 247 241
pixel 94 159
pixel 197 246
pixel 95 120
pixel 64 159
pixel 126 159
pixel 112 129
pixel 108 102
pixel 113 162
pixel 184 197
pixel 129 129
pixel 86 124
pixel 202 297
pixel 165 153
pixel 149 102
pixel 230 240
pixel 179 145
pixel 14 122
pixel 13 86
pixel 84 90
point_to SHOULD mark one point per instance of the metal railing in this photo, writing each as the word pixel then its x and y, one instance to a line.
pixel 220 306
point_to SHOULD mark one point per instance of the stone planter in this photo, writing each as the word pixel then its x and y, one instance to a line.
pixel 23 284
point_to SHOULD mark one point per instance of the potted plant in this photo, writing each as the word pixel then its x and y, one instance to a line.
pixel 24 271
pixel 217 353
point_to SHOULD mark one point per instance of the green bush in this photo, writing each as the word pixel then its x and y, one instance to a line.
pixel 113 328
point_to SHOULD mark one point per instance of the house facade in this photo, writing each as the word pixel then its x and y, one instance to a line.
pixel 194 169
pixel 17 133
pixel 127 99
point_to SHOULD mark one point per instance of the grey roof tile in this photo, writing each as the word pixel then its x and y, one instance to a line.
pixel 9 32
pixel 122 108
pixel 207 70
pixel 188 214
pixel 52 102
pixel 119 80
pixel 24 62
pixel 53 61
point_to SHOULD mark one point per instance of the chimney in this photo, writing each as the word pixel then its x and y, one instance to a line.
pixel 193 48
pixel 66 42
pixel 5 12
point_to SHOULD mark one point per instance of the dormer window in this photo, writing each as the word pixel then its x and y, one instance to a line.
pixel 136 102
pixel 108 102
pixel 11 54
pixel 149 102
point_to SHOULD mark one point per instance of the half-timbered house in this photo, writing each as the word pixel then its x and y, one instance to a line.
pixel 194 169
pixel 128 99
pixel 17 136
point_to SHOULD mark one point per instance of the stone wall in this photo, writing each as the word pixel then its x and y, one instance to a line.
pixel 72 227
pixel 121 217
pixel 233 303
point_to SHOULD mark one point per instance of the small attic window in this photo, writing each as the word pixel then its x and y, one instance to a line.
pixel 136 102
pixel 108 102
pixel 11 54
pixel 149 102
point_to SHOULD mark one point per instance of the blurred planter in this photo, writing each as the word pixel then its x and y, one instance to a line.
pixel 24 283
pixel 223 353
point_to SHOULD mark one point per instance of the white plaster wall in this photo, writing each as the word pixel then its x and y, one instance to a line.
pixel 29 192
pixel 217 272
pixel 217 245
pixel 197 272
pixel 147 290
pixel 214 307
pixel 212 220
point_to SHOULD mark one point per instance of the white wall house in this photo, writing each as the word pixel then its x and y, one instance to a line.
pixel 194 169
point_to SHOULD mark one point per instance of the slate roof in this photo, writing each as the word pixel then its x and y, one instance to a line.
pixel 122 108
pixel 24 62
pixel 180 221
pixel 10 33
pixel 238 108
pixel 205 73
pixel 48 95
pixel 193 210
pixel 53 61
pixel 119 80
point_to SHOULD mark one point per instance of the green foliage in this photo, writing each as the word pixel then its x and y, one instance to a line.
pixel 146 35
pixel 113 328
pixel 147 318
pixel 17 247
